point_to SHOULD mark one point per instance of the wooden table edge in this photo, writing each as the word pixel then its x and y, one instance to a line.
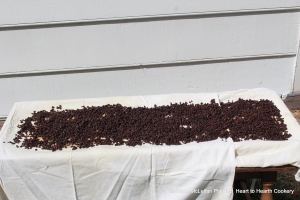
pixel 266 169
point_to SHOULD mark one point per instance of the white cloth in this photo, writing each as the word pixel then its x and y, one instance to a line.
pixel 259 153
pixel 142 172
pixel 190 171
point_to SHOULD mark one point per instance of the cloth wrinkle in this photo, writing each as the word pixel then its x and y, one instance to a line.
pixel 151 162
pixel 165 166
pixel 25 183
pixel 48 174
pixel 37 158
pixel 72 173
pixel 120 175
pixel 26 177
pixel 128 175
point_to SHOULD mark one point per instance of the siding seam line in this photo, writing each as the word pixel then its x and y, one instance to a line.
pixel 149 17
pixel 146 65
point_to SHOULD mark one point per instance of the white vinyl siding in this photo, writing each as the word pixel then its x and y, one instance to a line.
pixel 75 49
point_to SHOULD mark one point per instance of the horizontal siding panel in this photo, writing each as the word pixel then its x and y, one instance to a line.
pixel 32 11
pixel 274 74
pixel 146 43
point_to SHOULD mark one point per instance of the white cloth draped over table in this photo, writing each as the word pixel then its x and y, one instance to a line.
pixel 258 153
pixel 196 170
pixel 143 172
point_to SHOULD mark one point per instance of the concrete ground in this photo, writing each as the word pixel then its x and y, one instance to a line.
pixel 293 103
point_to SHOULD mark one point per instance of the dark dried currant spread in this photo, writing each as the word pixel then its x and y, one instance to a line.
pixel 173 124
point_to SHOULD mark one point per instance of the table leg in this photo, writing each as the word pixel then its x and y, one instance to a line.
pixel 2 194
pixel 268 179
pixel 244 187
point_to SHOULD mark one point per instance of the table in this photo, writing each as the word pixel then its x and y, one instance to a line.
pixel 271 153
pixel 267 175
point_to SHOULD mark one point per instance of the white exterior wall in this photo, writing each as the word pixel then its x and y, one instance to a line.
pixel 297 75
pixel 74 49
